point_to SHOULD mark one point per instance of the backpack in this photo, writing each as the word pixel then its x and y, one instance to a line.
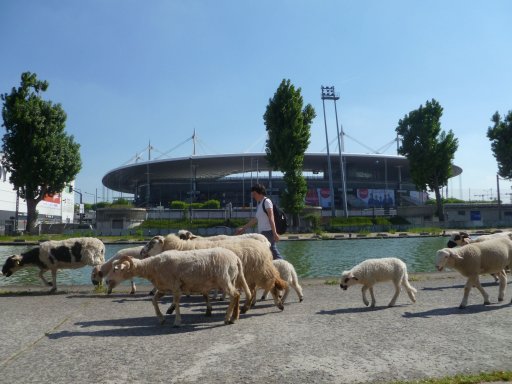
pixel 279 218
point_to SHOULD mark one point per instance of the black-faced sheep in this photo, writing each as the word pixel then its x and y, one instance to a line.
pixel 178 271
pixel 490 256
pixel 53 255
pixel 373 271
pixel 100 271
pixel 255 255
pixel 288 274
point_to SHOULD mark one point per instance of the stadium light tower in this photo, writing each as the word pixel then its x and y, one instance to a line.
pixel 328 93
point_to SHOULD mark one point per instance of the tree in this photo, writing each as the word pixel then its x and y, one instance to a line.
pixel 500 136
pixel 289 131
pixel 39 155
pixel 429 150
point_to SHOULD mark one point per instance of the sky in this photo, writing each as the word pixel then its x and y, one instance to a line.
pixel 133 72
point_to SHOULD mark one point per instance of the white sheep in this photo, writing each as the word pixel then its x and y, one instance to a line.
pixel 373 271
pixel 255 255
pixel 100 271
pixel 187 235
pixel 179 271
pixel 288 274
pixel 490 256
pixel 462 238
pixel 54 255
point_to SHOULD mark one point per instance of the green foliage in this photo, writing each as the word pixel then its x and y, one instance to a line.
pixel 429 150
pixel 178 204
pixel 350 221
pixel 194 224
pixel 288 126
pixel 41 158
pixel 500 136
pixel 211 204
pixel 314 220
pixel 122 202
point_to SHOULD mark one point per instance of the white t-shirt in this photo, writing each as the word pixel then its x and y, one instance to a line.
pixel 261 215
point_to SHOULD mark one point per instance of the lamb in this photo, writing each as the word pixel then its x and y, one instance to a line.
pixel 373 271
pixel 100 271
pixel 255 255
pixel 490 256
pixel 53 255
pixel 179 271
pixel 288 274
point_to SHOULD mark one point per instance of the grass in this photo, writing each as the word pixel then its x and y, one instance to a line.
pixel 464 379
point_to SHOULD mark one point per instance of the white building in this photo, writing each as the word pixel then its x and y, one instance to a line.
pixel 52 209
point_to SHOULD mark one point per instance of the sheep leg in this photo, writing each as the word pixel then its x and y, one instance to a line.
pixel 249 300
pixel 208 304
pixel 233 311
pixel 176 302
pixel 372 296
pixel 298 289
pixel 54 281
pixel 363 291
pixel 41 276
pixel 133 288
pixel 264 296
pixel 482 291
pixel 502 275
pixel 395 296
pixel 157 296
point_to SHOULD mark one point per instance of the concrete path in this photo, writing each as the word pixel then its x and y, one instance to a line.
pixel 78 336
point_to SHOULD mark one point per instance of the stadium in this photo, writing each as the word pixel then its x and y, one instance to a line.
pixel 371 180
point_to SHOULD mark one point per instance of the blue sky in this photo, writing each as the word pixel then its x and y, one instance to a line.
pixel 128 72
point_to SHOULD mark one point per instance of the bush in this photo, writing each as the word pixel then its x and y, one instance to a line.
pixel 178 205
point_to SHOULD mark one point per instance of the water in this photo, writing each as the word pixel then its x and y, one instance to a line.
pixel 311 258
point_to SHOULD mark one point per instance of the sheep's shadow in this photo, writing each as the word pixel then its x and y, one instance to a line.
pixel 458 286
pixel 357 310
pixel 142 326
pixel 469 310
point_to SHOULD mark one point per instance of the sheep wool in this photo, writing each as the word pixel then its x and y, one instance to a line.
pixel 372 271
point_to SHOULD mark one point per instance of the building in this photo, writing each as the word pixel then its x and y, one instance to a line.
pixel 372 180
pixel 52 209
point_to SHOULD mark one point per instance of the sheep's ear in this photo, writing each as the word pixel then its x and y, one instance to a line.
pixel 464 234
pixel 351 276
pixel 466 240
pixel 455 256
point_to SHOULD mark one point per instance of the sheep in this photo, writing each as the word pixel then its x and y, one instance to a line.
pixel 100 271
pixel 490 256
pixel 288 274
pixel 53 255
pixel 255 255
pixel 187 235
pixel 373 271
pixel 462 238
pixel 177 271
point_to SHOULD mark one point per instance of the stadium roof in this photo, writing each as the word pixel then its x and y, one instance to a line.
pixel 127 178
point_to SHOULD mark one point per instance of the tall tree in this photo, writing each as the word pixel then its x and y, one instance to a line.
pixel 288 125
pixel 429 150
pixel 500 136
pixel 39 155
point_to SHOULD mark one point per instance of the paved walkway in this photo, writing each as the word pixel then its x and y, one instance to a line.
pixel 78 336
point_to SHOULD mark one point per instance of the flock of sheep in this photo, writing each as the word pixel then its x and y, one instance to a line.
pixel 182 263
